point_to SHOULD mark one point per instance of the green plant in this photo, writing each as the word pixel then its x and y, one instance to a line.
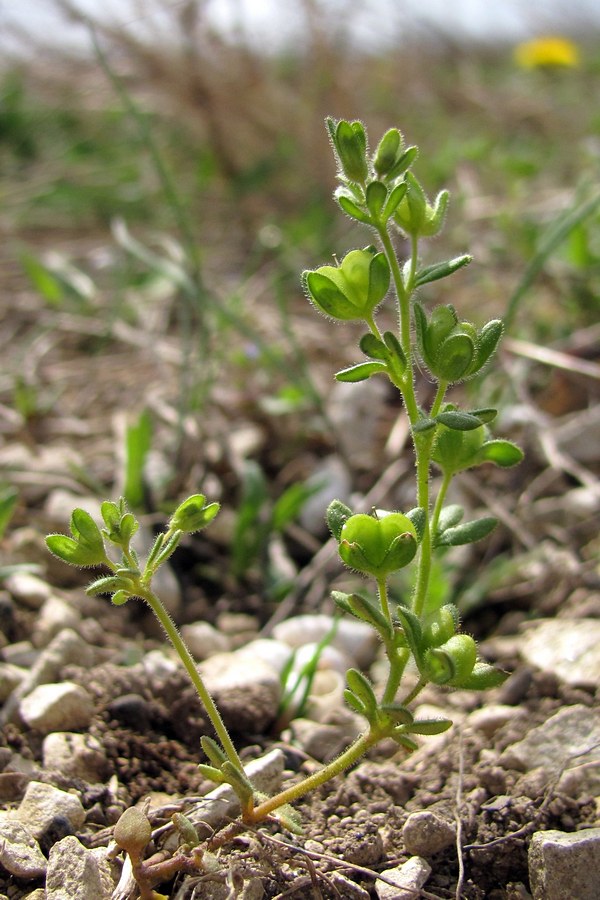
pixel 380 191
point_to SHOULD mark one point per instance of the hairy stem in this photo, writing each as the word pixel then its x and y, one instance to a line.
pixel 350 756
pixel 184 654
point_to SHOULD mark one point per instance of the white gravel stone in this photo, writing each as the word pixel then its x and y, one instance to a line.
pixel 426 834
pixel 567 647
pixel 43 802
pixel 246 691
pixel 565 866
pixel 11 676
pixel 67 648
pixel 490 718
pixel 76 873
pixel 55 615
pixel 30 590
pixel 356 639
pixel 409 878
pixel 65 706
pixel 275 653
pixel 20 853
pixel 203 640
pixel 569 737
pixel 77 755
pixel 332 481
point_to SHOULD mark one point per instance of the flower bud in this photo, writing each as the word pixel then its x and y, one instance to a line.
pixel 193 514
pixel 350 143
pixel 351 290
pixel 378 546
pixel 453 661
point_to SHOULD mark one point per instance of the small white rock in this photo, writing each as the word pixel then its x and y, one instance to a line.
pixel 30 590
pixel 565 866
pixel 274 653
pixel 76 873
pixel 43 802
pixel 10 677
pixel 357 640
pixel 490 718
pixel 567 647
pixel 20 853
pixel 570 735
pixel 203 640
pixel 65 706
pixel 77 755
pixel 426 834
pixel 409 878
pixel 55 615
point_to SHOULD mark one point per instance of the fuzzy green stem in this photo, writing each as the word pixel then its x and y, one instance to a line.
pixel 403 294
pixel 350 756
pixel 184 654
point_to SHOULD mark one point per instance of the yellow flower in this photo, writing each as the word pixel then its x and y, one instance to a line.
pixel 548 51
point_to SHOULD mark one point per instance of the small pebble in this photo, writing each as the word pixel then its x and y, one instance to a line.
pixel 11 677
pixel 54 615
pixel 43 803
pixel 203 640
pixel 20 853
pixel 75 755
pixel 28 589
pixel 426 834
pixel 565 866
pixel 76 873
pixel 409 878
pixel 57 707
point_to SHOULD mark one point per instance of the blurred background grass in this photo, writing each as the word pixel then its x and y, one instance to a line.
pixel 238 128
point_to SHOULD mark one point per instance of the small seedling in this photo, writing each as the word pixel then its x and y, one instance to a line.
pixel 380 191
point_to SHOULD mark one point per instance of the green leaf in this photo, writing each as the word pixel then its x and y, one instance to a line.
pixel 51 288
pixel 354 702
pixel 502 453
pixel 361 371
pixel 111 515
pixel 353 210
pixel 336 517
pixel 73 552
pixel 193 514
pixel 487 343
pixel 399 714
pixel 483 677
pixel 377 195
pixel 424 424
pixel 106 585
pixel 212 774
pixel 403 163
pixel 393 201
pixel 459 421
pixel 450 516
pixel 8 502
pixel 411 626
pixel 361 687
pixel 387 151
pixel 85 531
pixel 367 611
pixel 441 270
pixel 485 415
pixel 430 726
pixel 419 519
pixel 373 347
pixel 213 751
pixel 467 533
pixel 401 738
pixel 397 353
pixel 138 440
